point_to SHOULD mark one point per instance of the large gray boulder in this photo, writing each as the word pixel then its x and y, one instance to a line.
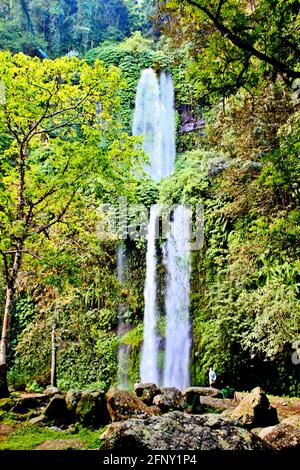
pixel 123 405
pixel 146 392
pixel 179 431
pixel 169 399
pixel 255 410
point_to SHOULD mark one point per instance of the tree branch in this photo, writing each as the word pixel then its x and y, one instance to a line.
pixel 242 44
pixel 13 252
pixel 59 216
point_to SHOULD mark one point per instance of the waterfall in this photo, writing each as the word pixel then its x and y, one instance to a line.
pixel 168 128
pixel 149 365
pixel 177 301
pixel 154 120
pixel 124 349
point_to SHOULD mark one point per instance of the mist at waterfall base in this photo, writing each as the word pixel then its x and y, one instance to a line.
pixel 154 120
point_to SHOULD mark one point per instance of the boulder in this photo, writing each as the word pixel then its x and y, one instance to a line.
pixel 292 421
pixel 216 405
pixel 146 392
pixel 6 404
pixel 192 393
pixel 29 402
pixel 169 399
pixel 122 405
pixel 91 410
pixel 38 420
pixel 72 400
pixel 179 431
pixel 282 436
pixel 57 410
pixel 255 410
pixel 52 391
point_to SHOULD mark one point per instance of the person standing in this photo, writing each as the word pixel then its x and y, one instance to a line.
pixel 212 377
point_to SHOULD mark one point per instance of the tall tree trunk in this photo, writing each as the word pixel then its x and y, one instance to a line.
pixel 10 294
pixel 4 342
pixel 53 359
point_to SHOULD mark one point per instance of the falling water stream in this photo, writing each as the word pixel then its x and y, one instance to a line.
pixel 177 301
pixel 154 120
pixel 167 125
pixel 149 367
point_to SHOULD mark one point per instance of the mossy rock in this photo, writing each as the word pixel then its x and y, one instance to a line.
pixel 25 404
pixel 6 404
pixel 57 410
pixel 91 410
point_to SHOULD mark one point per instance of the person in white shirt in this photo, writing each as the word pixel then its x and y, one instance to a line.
pixel 212 377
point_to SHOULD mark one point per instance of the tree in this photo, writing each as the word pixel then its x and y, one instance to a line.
pixel 235 42
pixel 60 26
pixel 54 143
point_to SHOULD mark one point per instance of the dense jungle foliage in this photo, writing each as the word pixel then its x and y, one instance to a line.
pixel 235 67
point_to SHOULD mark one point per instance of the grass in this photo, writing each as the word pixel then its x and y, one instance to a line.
pixel 29 436
pixel 8 418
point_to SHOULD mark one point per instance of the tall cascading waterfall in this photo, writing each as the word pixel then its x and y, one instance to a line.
pixel 177 301
pixel 154 119
pixel 124 349
pixel 149 365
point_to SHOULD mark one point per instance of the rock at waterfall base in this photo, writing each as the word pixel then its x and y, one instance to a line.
pixel 169 399
pixel 123 405
pixel 285 435
pixel 255 410
pixel 179 431
pixel 146 392
pixel 57 410
pixel 91 410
